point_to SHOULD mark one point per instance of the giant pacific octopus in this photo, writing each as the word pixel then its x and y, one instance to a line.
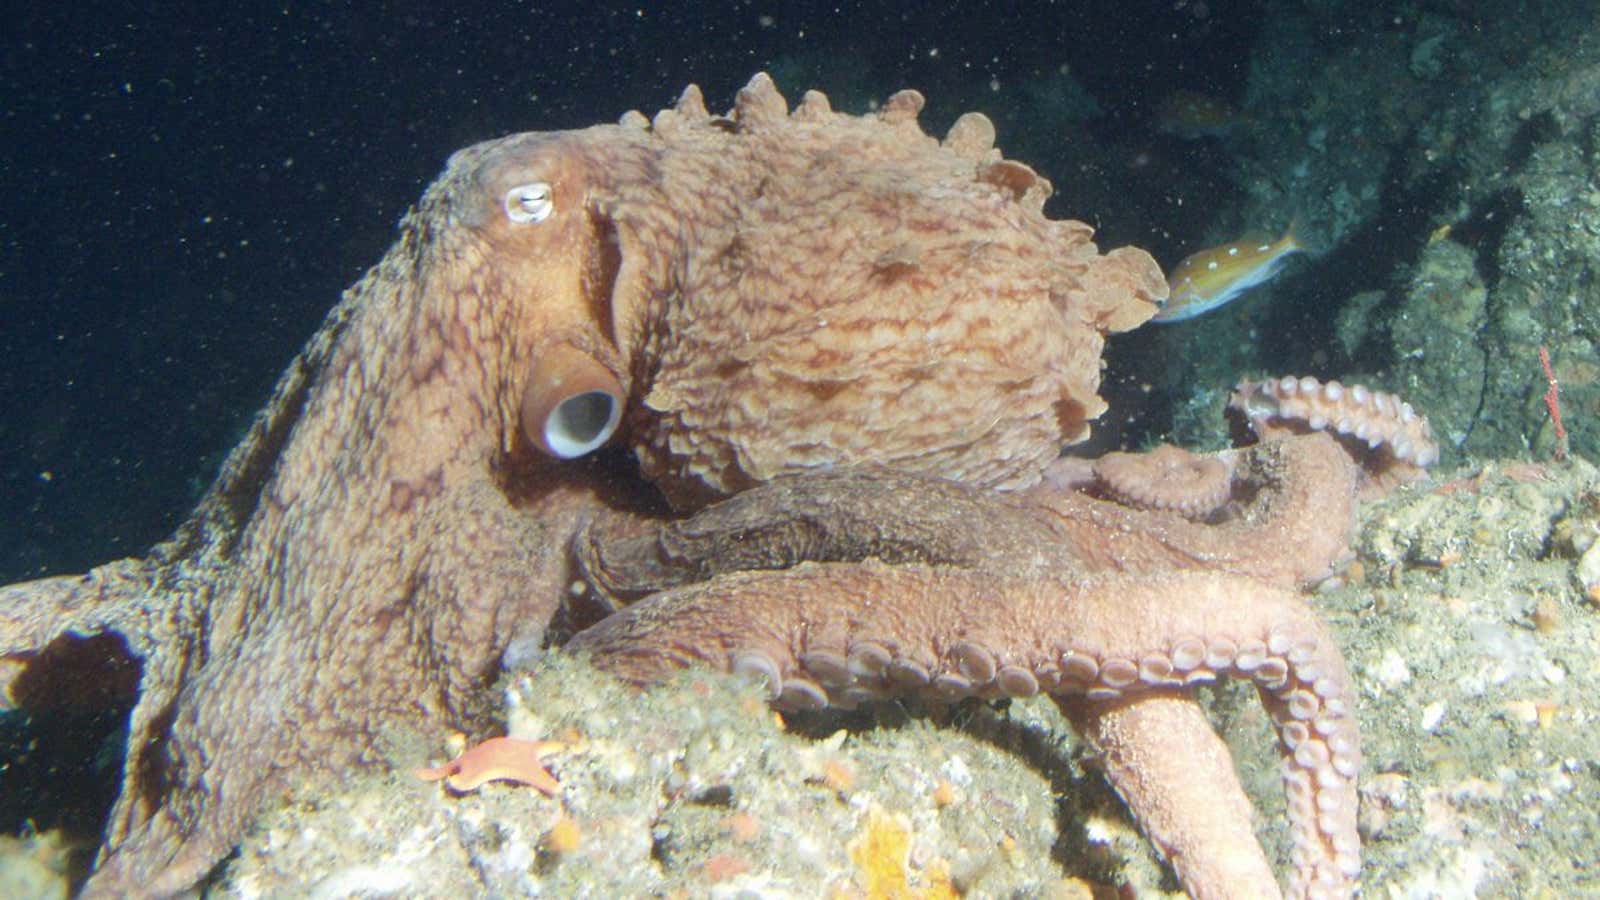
pixel 785 308
pixel 1114 587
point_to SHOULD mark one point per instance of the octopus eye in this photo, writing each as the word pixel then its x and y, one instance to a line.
pixel 530 202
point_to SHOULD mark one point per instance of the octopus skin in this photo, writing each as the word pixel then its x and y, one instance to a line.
pixel 857 585
pixel 822 629
pixel 721 299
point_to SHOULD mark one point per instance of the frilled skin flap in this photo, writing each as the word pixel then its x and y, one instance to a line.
pixel 848 289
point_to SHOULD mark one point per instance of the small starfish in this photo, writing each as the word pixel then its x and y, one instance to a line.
pixel 499 759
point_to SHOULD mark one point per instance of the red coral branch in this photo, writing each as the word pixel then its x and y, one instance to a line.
pixel 1552 402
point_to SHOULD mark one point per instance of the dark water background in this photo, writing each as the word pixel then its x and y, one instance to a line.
pixel 188 190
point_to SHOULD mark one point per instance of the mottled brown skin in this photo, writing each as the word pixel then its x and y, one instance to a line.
pixel 822 565
pixel 952 330
pixel 773 293
pixel 1113 586
pixel 1292 526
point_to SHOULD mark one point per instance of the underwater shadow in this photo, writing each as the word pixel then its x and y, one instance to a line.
pixel 1300 333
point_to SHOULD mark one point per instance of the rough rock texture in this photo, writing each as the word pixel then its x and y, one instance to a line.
pixel 385 530
pixel 1510 171
pixel 1440 323
pixel 1443 169
pixel 693 788
pixel 1471 645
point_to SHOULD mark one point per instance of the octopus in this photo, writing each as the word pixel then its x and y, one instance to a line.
pixel 583 343
pixel 1114 587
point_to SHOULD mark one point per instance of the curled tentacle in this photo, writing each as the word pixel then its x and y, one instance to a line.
pixel 1391 440
pixel 838 634
pixel 1194 485
pixel 1288 522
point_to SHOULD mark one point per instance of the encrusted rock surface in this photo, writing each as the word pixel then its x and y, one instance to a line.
pixel 1476 653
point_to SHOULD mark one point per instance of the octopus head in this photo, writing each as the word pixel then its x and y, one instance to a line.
pixel 538 206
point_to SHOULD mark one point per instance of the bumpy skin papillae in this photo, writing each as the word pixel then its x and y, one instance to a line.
pixel 1294 526
pixel 771 291
pixel 906 302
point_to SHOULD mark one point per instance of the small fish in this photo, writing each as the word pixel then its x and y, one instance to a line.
pixel 1210 278
pixel 1191 115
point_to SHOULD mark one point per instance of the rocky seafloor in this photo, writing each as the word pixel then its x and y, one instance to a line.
pixel 1470 616
pixel 1469 619
pixel 1444 161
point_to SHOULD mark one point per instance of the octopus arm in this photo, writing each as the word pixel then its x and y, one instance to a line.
pixel 839 516
pixel 1295 489
pixel 840 633
pixel 1190 804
